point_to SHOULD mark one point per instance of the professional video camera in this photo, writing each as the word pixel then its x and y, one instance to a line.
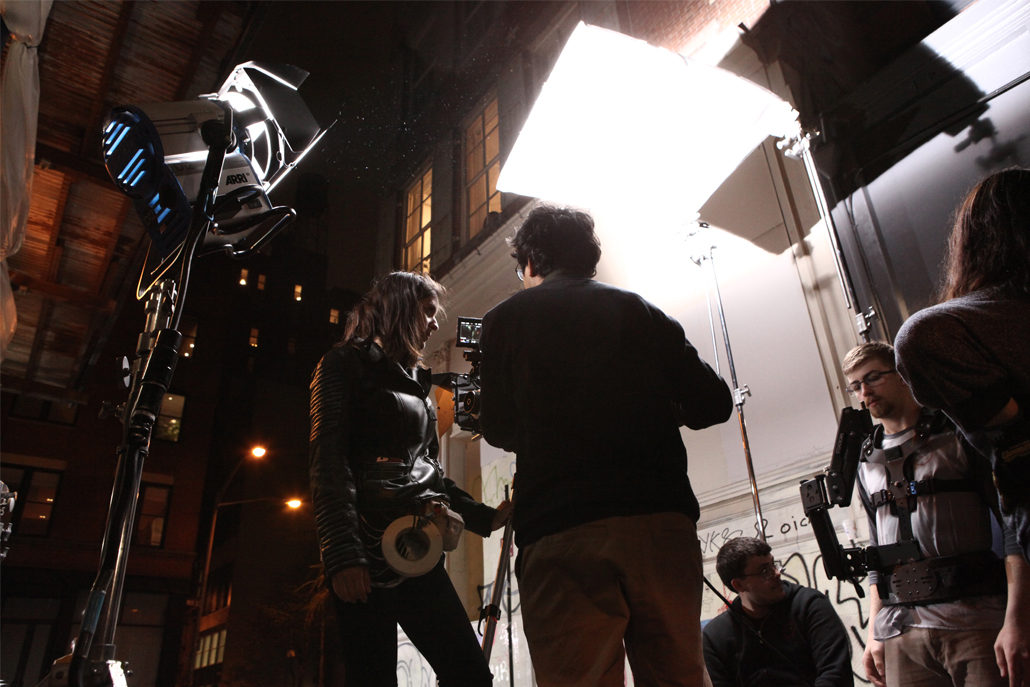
pixel 466 386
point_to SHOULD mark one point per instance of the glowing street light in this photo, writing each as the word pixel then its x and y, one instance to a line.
pixel 258 451
pixel 294 503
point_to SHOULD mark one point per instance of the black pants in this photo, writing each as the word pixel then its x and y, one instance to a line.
pixel 431 614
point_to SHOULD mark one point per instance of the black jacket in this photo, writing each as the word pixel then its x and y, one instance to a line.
pixel 589 385
pixel 374 457
pixel 804 627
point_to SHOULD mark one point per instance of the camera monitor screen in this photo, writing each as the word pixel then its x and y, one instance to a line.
pixel 469 331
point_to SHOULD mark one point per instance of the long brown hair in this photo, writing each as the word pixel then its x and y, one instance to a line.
pixel 392 313
pixel 990 242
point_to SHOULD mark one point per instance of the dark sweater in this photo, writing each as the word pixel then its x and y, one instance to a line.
pixel 968 356
pixel 589 384
pixel 803 627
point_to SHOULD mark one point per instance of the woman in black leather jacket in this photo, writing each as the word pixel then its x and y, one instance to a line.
pixel 374 458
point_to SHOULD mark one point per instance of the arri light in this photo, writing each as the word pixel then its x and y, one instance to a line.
pixel 156 153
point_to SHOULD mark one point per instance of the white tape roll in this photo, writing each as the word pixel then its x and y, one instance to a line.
pixel 412 550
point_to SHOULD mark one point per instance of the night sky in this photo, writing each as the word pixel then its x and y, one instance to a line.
pixel 347 47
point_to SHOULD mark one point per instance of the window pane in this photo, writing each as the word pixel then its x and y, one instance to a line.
pixel 413 196
pixel 427 185
pixel 427 211
pixel 475 160
pixel 167 428
pixel 155 500
pixel 490 114
pixel 476 221
pixel 172 405
pixel 426 241
pixel 495 171
pixel 43 487
pixel 411 262
pixel 474 134
pixel 62 413
pixel 35 519
pixel 413 226
pixel 477 193
pixel 492 146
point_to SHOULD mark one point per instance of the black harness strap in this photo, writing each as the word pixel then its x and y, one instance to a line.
pixel 926 487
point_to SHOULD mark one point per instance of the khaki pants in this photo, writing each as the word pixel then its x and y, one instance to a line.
pixel 942 658
pixel 632 580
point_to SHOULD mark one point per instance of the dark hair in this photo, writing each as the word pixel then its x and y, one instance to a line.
pixel 554 238
pixel 863 353
pixel 391 311
pixel 990 242
pixel 732 559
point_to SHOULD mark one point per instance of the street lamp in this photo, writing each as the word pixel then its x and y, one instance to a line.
pixel 256 452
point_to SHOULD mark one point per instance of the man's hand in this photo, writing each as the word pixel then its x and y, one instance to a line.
pixel 1012 648
pixel 872 659
pixel 353 584
pixel 503 515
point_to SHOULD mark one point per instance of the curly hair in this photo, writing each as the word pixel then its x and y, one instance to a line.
pixel 990 241
pixel 391 312
pixel 732 559
pixel 557 239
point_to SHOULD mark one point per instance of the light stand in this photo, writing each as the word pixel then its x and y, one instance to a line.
pixel 739 392
pixel 185 217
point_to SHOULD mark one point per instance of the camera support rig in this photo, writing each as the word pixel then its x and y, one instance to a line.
pixel 465 387
pixel 834 488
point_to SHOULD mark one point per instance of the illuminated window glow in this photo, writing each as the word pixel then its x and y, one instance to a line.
pixel 334 316
pixel 296 292
pixel 254 337
pixel 243 277
pixel 417 230
pixel 482 166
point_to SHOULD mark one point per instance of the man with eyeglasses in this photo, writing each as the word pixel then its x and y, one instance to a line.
pixel 588 384
pixel 776 633
pixel 942 619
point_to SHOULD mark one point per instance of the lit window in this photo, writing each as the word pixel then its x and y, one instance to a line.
pixel 261 282
pixel 253 336
pixel 37 490
pixel 153 512
pixel 169 422
pixel 482 165
pixel 417 232
pixel 334 316
pixel 188 327
pixel 210 650
pixel 243 277
pixel 296 292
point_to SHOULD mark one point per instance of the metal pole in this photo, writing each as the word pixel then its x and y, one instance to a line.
pixel 739 392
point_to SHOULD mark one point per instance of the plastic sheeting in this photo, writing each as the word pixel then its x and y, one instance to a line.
pixel 19 110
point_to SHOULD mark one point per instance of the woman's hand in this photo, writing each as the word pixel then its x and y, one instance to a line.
pixel 353 584
pixel 503 515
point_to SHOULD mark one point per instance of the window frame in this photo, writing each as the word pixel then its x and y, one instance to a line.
pixel 424 263
pixel 165 414
pixel 144 485
pixel 487 164
pixel 24 489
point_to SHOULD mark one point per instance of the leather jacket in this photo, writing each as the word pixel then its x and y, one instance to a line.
pixel 374 457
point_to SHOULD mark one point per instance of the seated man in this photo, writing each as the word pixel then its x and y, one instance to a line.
pixel 776 632
pixel 959 629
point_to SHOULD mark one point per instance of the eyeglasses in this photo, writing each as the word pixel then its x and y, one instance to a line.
pixel 767 571
pixel 871 380
pixel 520 273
